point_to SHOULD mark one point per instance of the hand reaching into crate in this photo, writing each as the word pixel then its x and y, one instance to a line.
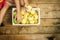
pixel 5 4
pixel 20 3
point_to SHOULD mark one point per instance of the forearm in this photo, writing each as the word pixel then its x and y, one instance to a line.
pixel 18 11
pixel 3 11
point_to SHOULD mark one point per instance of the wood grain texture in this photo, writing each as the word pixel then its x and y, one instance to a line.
pixel 29 30
pixel 44 1
pixel 50 23
pixel 29 37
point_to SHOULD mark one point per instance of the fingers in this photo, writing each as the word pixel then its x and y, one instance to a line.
pixel 3 11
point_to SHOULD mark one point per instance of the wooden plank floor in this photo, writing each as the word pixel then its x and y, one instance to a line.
pixel 49 27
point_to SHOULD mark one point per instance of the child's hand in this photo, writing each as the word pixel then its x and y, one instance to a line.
pixel 20 3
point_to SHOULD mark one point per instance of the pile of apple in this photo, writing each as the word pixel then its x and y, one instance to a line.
pixel 30 16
